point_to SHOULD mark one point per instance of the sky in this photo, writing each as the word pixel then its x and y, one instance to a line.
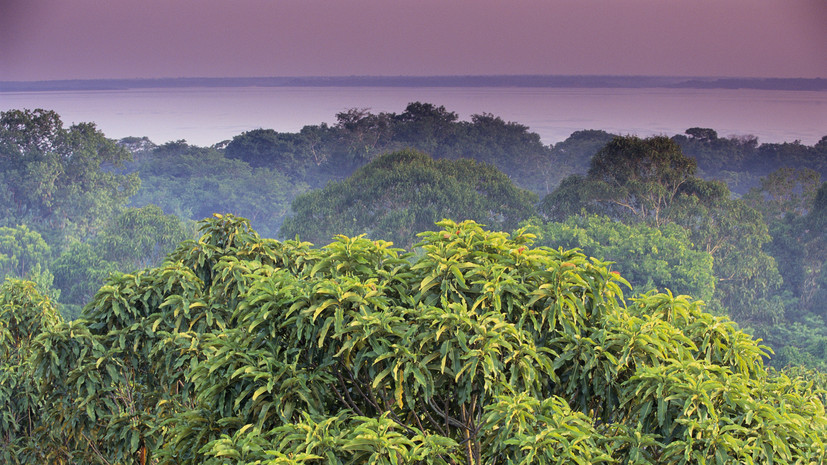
pixel 95 39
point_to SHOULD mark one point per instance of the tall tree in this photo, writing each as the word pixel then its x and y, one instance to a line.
pixel 573 155
pixel 786 190
pixel 26 436
pixel 138 238
pixel 480 349
pixel 403 193
pixel 21 250
pixel 660 258
pixel 651 181
pixel 56 180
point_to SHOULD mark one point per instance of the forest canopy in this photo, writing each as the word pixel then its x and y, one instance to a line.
pixel 481 349
pixel 150 323
pixel 748 206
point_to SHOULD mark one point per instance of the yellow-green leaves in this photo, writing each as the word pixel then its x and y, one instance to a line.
pixel 476 350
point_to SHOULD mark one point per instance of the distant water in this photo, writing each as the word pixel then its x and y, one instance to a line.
pixel 205 116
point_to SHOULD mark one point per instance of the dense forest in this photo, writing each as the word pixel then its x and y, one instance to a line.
pixel 408 329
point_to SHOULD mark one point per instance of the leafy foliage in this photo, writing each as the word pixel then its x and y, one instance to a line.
pixel 319 154
pixel 650 181
pixel 661 258
pixel 789 200
pixel 137 238
pixel 404 193
pixel 25 434
pixel 54 179
pixel 477 348
pixel 21 250
pixel 480 349
pixel 194 182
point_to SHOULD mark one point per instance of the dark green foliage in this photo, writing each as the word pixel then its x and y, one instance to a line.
pixel 726 159
pixel 142 237
pixel 26 437
pixel 21 251
pixel 787 199
pixel 79 272
pixel 137 238
pixel 630 178
pixel 319 154
pixel 476 349
pixel 573 155
pixel 404 193
pixel 741 162
pixel 793 205
pixel 650 181
pixel 194 182
pixel 52 179
pixel 734 234
pixel 266 148
pixel 786 190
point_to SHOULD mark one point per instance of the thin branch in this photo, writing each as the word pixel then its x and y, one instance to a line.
pixel 350 404
pixel 349 401
pixel 434 422
pixel 467 433
pixel 449 420
pixel 369 399
pixel 416 417
pixel 95 449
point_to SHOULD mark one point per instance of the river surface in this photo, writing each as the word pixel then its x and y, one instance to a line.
pixel 205 116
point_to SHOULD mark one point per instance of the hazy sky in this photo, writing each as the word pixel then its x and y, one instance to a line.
pixel 62 39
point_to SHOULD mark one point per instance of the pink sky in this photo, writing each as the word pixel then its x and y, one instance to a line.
pixel 79 39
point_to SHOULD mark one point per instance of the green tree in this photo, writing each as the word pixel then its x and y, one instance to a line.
pixel 630 178
pixel 56 180
pixel 403 193
pixel 266 148
pixel 573 155
pixel 481 349
pixel 363 135
pixel 509 146
pixel 318 154
pixel 645 175
pixel 79 272
pixel 787 198
pixel 814 290
pixel 424 126
pixel 727 159
pixel 141 237
pixel 26 437
pixel 138 238
pixel 21 250
pixel 704 134
pixel 649 258
pixel 786 190
pixel 195 182
pixel 649 180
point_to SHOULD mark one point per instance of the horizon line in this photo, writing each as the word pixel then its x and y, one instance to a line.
pixel 468 80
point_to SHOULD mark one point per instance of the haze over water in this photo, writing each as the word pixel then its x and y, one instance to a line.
pixel 205 116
